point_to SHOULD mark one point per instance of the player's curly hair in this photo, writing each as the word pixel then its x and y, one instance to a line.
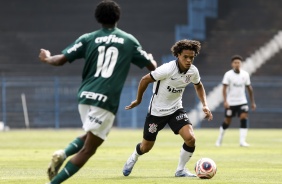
pixel 185 44
pixel 236 57
pixel 107 12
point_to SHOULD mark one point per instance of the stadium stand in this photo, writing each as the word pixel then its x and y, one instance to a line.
pixel 241 27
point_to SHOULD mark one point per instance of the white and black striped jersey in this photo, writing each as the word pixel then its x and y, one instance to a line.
pixel 169 86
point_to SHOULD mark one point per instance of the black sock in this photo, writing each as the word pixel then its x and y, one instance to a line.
pixel 224 125
pixel 188 148
pixel 244 123
pixel 138 150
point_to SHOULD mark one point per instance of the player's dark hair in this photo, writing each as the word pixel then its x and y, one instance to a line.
pixel 107 12
pixel 236 57
pixel 185 44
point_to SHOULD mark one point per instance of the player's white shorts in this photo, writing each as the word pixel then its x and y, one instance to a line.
pixel 96 120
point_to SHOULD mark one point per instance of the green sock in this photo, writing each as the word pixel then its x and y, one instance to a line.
pixel 69 170
pixel 74 147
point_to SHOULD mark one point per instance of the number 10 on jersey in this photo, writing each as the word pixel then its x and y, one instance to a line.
pixel 107 60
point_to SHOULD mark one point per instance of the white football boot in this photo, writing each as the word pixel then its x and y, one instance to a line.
pixel 184 173
pixel 128 166
pixel 244 144
pixel 57 160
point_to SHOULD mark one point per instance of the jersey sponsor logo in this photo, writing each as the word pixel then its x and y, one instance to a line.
pixel 237 85
pixel 173 78
pixel 174 90
pixel 74 47
pixel 153 128
pixel 94 120
pixel 109 39
pixel 94 96
pixel 182 116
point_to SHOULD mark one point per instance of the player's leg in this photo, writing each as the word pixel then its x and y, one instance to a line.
pixel 243 125
pixel 59 156
pixel 97 124
pixel 91 144
pixel 152 126
pixel 225 124
pixel 180 124
pixel 141 148
pixel 186 151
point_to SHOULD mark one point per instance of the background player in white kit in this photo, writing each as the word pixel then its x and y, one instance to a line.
pixel 165 107
pixel 235 101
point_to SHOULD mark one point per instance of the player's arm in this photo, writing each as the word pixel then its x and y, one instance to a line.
pixel 143 84
pixel 224 93
pixel 251 94
pixel 202 96
pixel 153 65
pixel 56 60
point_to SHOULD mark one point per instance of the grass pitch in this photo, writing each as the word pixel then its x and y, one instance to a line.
pixel 25 154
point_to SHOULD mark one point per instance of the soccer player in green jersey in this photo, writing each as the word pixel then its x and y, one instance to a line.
pixel 108 53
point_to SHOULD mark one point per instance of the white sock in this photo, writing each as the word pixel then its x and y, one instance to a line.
pixel 135 155
pixel 221 134
pixel 183 159
pixel 243 134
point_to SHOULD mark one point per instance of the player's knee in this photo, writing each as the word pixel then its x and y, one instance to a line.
pixel 243 116
pixel 227 121
pixel 190 140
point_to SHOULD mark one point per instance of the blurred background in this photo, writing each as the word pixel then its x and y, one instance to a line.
pixel 35 95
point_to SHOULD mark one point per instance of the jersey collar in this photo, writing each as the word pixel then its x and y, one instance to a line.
pixel 236 72
pixel 177 64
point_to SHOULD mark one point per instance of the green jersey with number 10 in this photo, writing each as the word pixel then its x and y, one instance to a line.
pixel 108 54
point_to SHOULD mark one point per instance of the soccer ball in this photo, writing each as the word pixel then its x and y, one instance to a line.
pixel 205 168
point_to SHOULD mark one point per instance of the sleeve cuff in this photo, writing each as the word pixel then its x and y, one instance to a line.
pixel 152 76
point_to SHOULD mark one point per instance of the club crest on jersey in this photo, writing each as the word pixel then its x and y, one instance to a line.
pixel 187 79
pixel 153 128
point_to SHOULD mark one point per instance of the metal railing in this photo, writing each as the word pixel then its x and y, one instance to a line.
pixel 51 102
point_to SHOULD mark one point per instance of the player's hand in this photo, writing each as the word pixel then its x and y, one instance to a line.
pixel 208 113
pixel 132 105
pixel 226 105
pixel 44 54
pixel 254 106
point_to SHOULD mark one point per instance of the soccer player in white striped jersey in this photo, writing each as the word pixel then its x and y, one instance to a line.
pixel 235 101
pixel 165 107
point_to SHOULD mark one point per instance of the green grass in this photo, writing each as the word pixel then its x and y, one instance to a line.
pixel 24 157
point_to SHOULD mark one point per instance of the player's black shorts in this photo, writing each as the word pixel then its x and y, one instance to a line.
pixel 154 124
pixel 232 111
